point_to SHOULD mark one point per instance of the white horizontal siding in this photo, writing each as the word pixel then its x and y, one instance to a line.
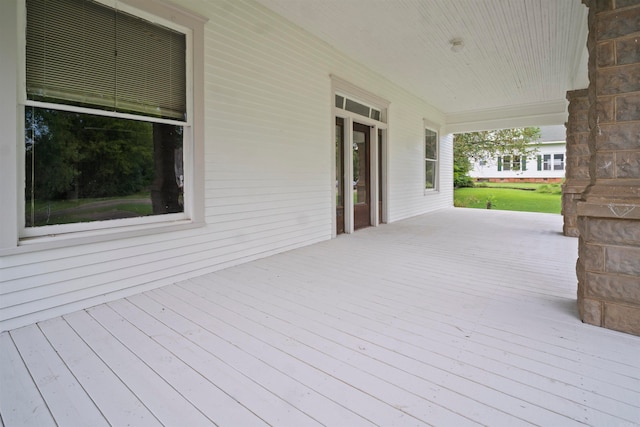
pixel 268 163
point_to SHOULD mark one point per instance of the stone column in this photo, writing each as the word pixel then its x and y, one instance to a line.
pixel 578 157
pixel 608 267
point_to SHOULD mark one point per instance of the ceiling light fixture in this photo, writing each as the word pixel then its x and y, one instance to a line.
pixel 457 44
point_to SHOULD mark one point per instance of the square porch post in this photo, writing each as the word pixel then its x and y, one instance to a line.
pixel 608 267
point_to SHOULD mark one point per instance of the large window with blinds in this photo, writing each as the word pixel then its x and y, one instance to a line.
pixel 107 117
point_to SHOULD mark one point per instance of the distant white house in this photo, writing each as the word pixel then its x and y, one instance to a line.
pixel 547 165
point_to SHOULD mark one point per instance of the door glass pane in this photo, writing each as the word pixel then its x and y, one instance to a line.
pixel 339 176
pixel 359 168
pixel 339 162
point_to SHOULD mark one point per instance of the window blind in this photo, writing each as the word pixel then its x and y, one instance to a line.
pixel 80 52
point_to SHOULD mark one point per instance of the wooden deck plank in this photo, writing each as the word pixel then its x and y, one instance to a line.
pixel 166 404
pixel 606 403
pixel 384 303
pixel 256 398
pixel 21 403
pixel 632 397
pixel 118 404
pixel 436 365
pixel 457 317
pixel 357 354
pixel 282 340
pixel 69 403
pixel 311 386
pixel 200 392
pixel 250 365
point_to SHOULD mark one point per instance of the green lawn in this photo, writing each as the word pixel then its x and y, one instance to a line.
pixel 515 197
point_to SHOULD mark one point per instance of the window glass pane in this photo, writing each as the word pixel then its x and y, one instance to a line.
pixel 516 163
pixel 546 162
pixel 339 102
pixel 431 144
pixel 506 165
pixel 430 181
pixel 82 168
pixel 356 107
pixel 558 162
pixel 79 52
pixel 375 114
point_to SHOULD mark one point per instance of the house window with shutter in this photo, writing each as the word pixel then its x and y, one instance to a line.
pixel 108 126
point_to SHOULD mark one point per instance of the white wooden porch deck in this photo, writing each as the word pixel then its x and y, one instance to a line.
pixel 459 317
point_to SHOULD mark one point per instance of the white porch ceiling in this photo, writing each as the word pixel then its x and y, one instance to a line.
pixel 519 56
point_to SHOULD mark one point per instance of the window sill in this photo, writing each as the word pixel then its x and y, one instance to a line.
pixel 43 243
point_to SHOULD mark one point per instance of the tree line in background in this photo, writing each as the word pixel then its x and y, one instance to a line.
pixel 475 146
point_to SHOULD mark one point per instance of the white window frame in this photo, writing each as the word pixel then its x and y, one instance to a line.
pixel 429 126
pixel 553 161
pixel 36 238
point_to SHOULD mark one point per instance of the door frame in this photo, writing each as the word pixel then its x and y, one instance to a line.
pixel 379 184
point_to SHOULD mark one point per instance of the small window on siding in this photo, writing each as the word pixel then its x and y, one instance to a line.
pixel 431 159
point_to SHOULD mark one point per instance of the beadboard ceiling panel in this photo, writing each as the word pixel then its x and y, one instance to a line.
pixel 518 55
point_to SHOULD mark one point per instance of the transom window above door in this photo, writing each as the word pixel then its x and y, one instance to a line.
pixel 349 104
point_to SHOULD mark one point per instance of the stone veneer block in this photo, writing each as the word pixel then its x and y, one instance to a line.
pixel 591 256
pixel 608 287
pixel 605 165
pixel 626 3
pixel 628 51
pixel 628 164
pixel 580 146
pixel 623 259
pixel 615 80
pixel 628 106
pixel 615 24
pixel 605 109
pixel 579 102
pixel 622 318
pixel 591 311
pixel 613 232
pixel 606 54
pixel 619 136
